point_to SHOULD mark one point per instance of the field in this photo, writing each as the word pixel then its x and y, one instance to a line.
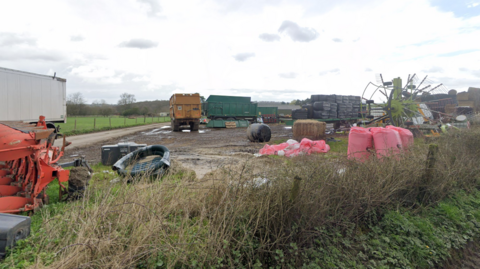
pixel 219 206
pixel 80 125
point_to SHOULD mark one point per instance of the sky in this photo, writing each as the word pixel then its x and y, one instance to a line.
pixel 271 50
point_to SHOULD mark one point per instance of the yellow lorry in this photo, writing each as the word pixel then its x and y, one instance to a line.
pixel 185 109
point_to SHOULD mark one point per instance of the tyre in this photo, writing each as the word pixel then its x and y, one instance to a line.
pixel 175 126
pixel 195 126
pixel 154 168
pixel 50 125
pixel 325 106
pixel 78 182
pixel 259 132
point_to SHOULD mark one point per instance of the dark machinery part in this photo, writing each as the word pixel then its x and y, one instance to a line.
pixel 112 153
pixel 12 229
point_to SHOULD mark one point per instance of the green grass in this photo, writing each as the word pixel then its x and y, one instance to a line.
pixel 339 147
pixel 82 125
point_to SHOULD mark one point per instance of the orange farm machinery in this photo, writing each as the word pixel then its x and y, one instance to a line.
pixel 28 163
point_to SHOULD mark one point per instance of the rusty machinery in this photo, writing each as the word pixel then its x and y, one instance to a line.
pixel 28 163
pixel 401 102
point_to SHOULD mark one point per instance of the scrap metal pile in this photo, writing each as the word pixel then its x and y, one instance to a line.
pixel 417 105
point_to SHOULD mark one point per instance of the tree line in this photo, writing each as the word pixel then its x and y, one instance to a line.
pixel 77 106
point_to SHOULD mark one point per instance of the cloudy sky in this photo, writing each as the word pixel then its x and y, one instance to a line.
pixel 269 49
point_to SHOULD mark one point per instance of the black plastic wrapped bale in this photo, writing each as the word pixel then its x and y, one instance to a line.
pixel 299 114
pixel 321 106
pixel 112 153
pixel 339 99
pixel 333 115
pixel 322 97
pixel 331 98
pixel 309 108
pixel 341 107
pixel 259 132
pixel 333 106
pixel 12 229
pixel 349 107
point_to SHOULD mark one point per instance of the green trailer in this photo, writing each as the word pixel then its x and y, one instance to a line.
pixel 230 111
pixel 267 111
pixel 229 99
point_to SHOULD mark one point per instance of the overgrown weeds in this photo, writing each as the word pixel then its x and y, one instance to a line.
pixel 232 219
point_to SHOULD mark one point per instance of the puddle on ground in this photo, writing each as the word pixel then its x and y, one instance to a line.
pixel 203 131
pixel 288 127
pixel 157 131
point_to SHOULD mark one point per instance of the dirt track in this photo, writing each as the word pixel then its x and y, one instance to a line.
pixel 88 139
pixel 202 151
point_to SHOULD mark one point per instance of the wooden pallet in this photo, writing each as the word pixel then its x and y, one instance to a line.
pixel 230 124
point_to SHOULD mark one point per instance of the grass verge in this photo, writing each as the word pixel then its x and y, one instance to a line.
pixel 84 125
pixel 310 213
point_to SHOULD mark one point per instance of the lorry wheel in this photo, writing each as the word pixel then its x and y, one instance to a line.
pixel 78 182
pixel 50 125
pixel 175 127
pixel 194 127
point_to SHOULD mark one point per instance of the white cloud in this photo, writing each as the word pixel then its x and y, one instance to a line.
pixel 288 75
pixel 241 57
pixel 139 43
pixel 297 33
pixel 191 43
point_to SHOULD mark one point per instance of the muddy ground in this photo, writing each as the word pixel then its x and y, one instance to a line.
pixel 202 151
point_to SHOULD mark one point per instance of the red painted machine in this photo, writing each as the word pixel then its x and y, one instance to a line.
pixel 28 163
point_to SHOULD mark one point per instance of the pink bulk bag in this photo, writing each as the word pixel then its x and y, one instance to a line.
pixel 360 141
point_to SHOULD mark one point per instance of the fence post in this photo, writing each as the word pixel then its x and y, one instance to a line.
pixel 94 122
pixel 144 118
pixel 124 121
pixel 295 188
pixel 136 120
pixel 75 126
pixel 429 172
pixel 110 121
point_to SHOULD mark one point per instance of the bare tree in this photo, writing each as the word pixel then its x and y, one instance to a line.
pixel 125 102
pixel 102 108
pixel 126 99
pixel 76 104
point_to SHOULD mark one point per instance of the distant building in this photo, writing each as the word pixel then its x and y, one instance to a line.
pixel 285 109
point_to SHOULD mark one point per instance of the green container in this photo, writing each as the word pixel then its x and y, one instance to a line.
pixel 267 111
pixel 229 99
pixel 230 110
